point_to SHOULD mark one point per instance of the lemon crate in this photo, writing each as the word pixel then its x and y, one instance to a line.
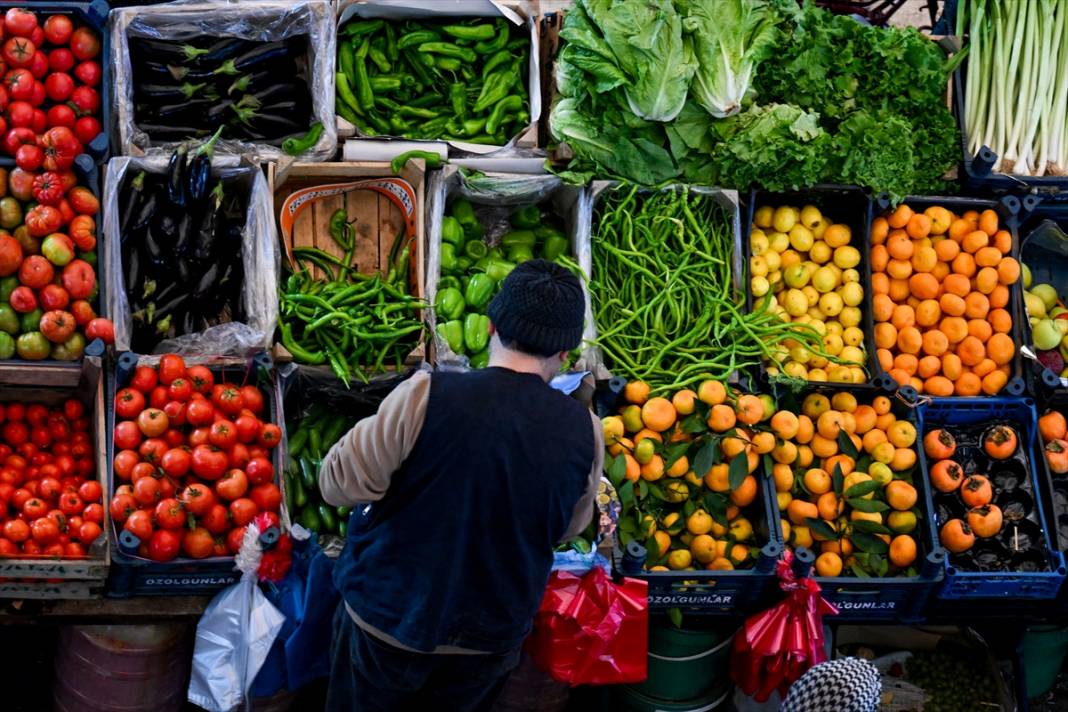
pixel 901 598
pixel 962 584
pixel 847 205
pixel 134 575
pixel 1008 209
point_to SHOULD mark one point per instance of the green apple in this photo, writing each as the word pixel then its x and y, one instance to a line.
pixel 1046 293
pixel 1036 307
pixel 1046 335
pixel 1026 277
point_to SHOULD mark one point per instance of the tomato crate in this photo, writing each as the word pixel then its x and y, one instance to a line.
pixel 94 15
pixel 1008 209
pixel 839 204
pixel 132 574
pixel 47 577
pixel 901 598
pixel 714 592
pixel 1025 536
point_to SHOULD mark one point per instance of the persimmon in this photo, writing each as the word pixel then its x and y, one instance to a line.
pixel 1000 442
pixel 985 521
pixel 1057 456
pixel 975 491
pixel 956 536
pixel 946 475
pixel 939 444
pixel 1052 426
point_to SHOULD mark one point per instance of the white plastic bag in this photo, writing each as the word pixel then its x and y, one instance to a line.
pixel 234 636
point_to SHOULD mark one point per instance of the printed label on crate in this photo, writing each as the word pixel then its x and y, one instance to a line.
pixel 193 580
pixel 47 569
pixel 691 599
pixel 863 605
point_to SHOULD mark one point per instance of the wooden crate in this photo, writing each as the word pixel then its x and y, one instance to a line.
pixel 51 385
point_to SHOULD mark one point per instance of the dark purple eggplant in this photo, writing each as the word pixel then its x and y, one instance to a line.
pixel 204 243
pixel 184 271
pixel 255 57
pixel 164 51
pixel 133 274
pixel 194 109
pixel 224 49
pixel 206 284
pixel 171 133
pixel 167 228
pixel 133 194
pixel 200 169
pixel 171 92
pixel 284 91
pixel 176 177
pixel 252 82
pixel 184 240
pixel 146 211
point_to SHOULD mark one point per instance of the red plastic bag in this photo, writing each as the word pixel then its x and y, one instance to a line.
pixel 590 630
pixel 776 647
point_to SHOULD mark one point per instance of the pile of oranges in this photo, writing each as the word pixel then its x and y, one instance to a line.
pixel 940 296
pixel 689 520
pixel 842 474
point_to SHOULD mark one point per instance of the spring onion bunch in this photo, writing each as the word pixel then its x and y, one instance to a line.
pixel 1016 85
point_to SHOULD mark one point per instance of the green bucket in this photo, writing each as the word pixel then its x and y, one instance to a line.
pixel 685 664
pixel 630 700
pixel 1044 648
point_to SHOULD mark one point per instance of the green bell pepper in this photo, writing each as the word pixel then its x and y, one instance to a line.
pixel 475 249
pixel 452 333
pixel 479 360
pixel 451 231
pixel 519 238
pixel 464 212
pixel 555 245
pixel 495 253
pixel 479 292
pixel 476 332
pixel 448 258
pixel 520 253
pixel 449 282
pixel 526 218
pixel 497 270
pixel 449 304
pixel 464 263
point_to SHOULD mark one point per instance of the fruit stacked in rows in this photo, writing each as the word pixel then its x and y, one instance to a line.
pixel 807 263
pixel 1054 431
pixel 940 299
pixel 192 462
pixel 685 468
pixel 1048 317
pixel 843 476
pixel 50 503
pixel 984 519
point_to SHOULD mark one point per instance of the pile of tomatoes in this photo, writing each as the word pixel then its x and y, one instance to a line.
pixel 49 102
pixel 192 461
pixel 49 503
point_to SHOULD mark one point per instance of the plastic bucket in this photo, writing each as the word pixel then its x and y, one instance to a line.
pixel 1044 648
pixel 685 664
pixel 630 700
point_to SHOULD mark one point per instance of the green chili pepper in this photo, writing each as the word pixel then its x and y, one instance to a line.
pixel 448 49
pixel 449 64
pixel 299 353
pixel 479 291
pixel 364 93
pixel 359 28
pixel 458 99
pixel 499 59
pixel 391 43
pixel 418 113
pixel 496 44
pixel 472 127
pixel 346 112
pixel 452 333
pixel 516 238
pixel 344 92
pixel 309 519
pixel 520 253
pixel 497 270
pixel 379 58
pixel 451 231
pixel 380 83
pixel 526 218
pixel 476 332
pixel 493 91
pixel 327 517
pixel 505 105
pixel 479 360
pixel 297 146
pixel 468 32
pixel 448 257
pixel 432 158
pixel 475 249
pixel 398 125
pixel 345 54
pixel 449 303
pixel 555 245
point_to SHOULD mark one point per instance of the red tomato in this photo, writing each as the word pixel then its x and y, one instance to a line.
pixel 20 114
pixel 175 411
pixel 61 115
pixel 101 329
pixel 23 300
pixel 217 520
pixel 124 463
pixel 44 531
pixel 87 128
pixel 152 450
pixel 36 414
pixel 88 73
pixel 142 470
pixel 228 400
pixel 153 422
pixel 70 504
pixel 198 543
pixel 49 488
pixel 248 428
pixel 252 398
pixel 16 433
pixel 144 379
pixel 232 485
pixel 146 490
pixel 170 514
pixel 90 491
pixel 198 437
pixel 61 147
pixel 201 378
pixel 270 436
pixel 88 532
pixel 242 511
pixel 158 397
pixel 140 524
pixel 208 462
pixel 36 271
pixel 180 389
pixel 122 505
pixel 267 497
pixel 34 508
pixel 200 412
pixel 83 232
pixel 84 44
pixel 82 311
pixel 43 220
pixel 58 29
pixel 234 539
pixel 260 471
pixel 223 434
pixel 16 530
pixel 83 201
pixel 197 498
pixel 171 368
pixel 20 83
pixel 18 52
pixel 60 60
pixel 10 255
pixel 59 430
pixel 59 85
pixel 127 435
pixel 19 23
pixel 53 297
pixel 164 545
pixel 176 462
pixel 129 403
pixel 94 513
pixel 57 326
pixel 239 456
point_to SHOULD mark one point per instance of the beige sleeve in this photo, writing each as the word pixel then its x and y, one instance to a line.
pixel 583 513
pixel 359 467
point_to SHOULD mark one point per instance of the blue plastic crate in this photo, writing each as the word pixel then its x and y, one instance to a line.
pixel 890 597
pixel 1008 209
pixel 715 592
pixel 133 575
pixel 961 584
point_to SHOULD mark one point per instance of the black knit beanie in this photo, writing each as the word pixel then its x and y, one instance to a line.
pixel 541 307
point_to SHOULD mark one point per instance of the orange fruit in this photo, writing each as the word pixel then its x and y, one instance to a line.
pixel 658 414
pixel 749 409
pixel 946 250
pixel 885 358
pixel 654 469
pixel 907 363
pixel 954 327
pixel 899 269
pixel 1001 348
pixel 684 401
pixel 785 424
pixel 976 306
pixel 980 329
pixel 951 304
pixel 721 418
pixel 964 264
pixel 909 340
pixel 984 367
pixel 999 298
pixel 938 386
pixel 974 241
pixel 1000 321
pixel 634 470
pixel 918 226
pixel 900 217
pixel 988 257
pixel 865 418
pixel 901 377
pixel 902 551
pixel 711 392
pixel 1003 241
pixel 829 507
pixel 746 492
pixel 988 221
pixel 923 286
pixel 880 256
pixel 798 511
pixel 952 366
pixel 929 365
pixel 967 385
pixel 994 381
pixel 899 246
pixel 924 259
pixel 986 280
pixel 636 392
pixel 763 442
pixel 828 563
pixel 935 343
pixel 817 481
pixel 899 290
pixel 958 229
pixel 903 316
pixel 957 284
pixel 880 283
pixel 885 335
pixel 971 351
pixel 928 312
pixel 1008 270
pixel 805 429
pixel 879 230
pixel 882 307
pixel 901 495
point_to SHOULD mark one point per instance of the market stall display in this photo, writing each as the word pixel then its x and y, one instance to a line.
pixel 1045 326
pixel 312 437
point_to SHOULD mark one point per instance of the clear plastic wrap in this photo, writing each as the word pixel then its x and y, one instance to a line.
pixel 260 255
pixel 518 12
pixel 494 196
pixel 260 20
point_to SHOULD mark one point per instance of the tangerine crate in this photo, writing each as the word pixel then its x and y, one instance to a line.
pixel 135 575
pixel 1040 568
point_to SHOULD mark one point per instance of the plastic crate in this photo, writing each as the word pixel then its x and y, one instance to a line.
pixel 1054 487
pixel 1008 210
pixel 961 584
pixel 849 205
pixel 714 592
pixel 901 598
pixel 93 15
pixel 133 575
pixel 1047 266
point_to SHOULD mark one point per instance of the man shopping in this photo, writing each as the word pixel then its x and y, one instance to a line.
pixel 472 479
